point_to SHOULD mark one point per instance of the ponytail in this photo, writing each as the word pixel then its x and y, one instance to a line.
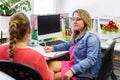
pixel 13 39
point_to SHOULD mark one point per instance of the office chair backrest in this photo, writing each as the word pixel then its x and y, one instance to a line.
pixel 107 63
pixel 19 71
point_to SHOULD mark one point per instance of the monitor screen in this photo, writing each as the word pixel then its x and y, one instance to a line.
pixel 48 24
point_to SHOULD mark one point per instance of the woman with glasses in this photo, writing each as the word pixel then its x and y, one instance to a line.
pixel 84 50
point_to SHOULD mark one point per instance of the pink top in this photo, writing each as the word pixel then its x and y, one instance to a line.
pixel 30 57
pixel 66 65
pixel 72 58
pixel 72 55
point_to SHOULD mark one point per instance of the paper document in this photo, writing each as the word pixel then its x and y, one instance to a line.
pixel 55 54
pixel 41 50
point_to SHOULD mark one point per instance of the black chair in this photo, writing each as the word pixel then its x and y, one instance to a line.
pixel 106 70
pixel 19 71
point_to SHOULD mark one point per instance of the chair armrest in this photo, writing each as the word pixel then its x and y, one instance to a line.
pixel 89 76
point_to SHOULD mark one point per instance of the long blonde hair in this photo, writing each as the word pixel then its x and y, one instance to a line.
pixel 18 26
pixel 87 24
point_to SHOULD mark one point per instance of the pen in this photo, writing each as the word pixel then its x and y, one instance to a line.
pixel 55 55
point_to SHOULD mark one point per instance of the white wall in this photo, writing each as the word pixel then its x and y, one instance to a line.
pixel 58 6
pixel 43 7
pixel 94 7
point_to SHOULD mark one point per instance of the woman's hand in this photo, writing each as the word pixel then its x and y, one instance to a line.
pixel 68 75
pixel 48 48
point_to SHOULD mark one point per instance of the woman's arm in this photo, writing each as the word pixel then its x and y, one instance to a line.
pixel 62 46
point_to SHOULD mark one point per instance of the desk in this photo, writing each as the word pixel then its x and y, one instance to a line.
pixel 105 45
pixel 116 56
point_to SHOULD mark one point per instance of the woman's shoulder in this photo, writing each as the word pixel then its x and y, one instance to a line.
pixel 91 34
pixel 27 50
pixel 31 50
pixel 5 45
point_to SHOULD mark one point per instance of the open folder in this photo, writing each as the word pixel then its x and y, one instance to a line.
pixel 41 50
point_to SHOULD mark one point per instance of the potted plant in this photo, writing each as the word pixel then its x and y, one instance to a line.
pixel 9 7
pixel 111 29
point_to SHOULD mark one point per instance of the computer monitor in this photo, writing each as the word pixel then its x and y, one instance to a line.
pixel 48 26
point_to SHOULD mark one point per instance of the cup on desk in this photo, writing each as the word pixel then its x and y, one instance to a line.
pixel 33 43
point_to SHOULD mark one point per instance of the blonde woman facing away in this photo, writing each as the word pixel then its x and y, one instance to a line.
pixel 84 48
pixel 17 50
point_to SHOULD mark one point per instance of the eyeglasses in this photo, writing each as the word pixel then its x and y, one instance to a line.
pixel 76 19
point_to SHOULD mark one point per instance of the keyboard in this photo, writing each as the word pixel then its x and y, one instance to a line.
pixel 52 43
